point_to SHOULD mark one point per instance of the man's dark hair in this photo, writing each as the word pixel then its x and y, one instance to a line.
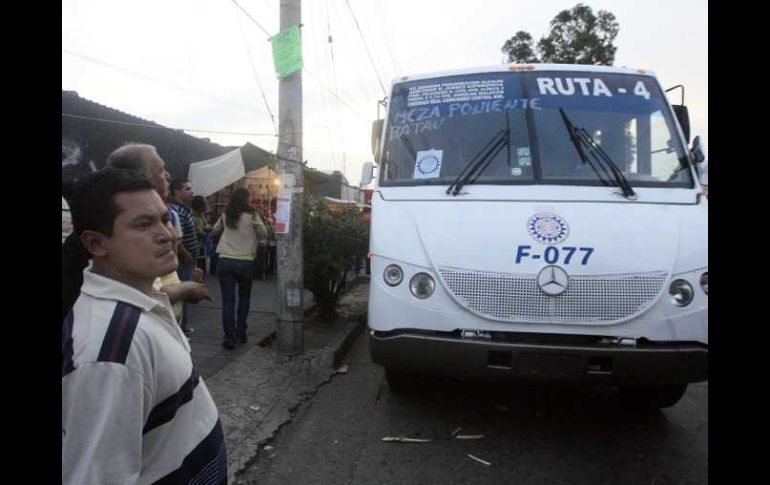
pixel 176 184
pixel 199 204
pixel 94 207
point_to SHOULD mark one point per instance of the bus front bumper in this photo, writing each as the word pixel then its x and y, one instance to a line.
pixel 601 364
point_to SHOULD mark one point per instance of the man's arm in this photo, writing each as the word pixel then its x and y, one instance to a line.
pixel 186 290
pixel 104 406
pixel 259 228
pixel 218 227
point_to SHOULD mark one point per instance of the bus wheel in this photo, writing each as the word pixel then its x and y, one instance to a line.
pixel 400 380
pixel 652 397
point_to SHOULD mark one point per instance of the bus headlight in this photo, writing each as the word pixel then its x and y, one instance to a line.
pixel 681 292
pixel 704 282
pixel 393 275
pixel 422 285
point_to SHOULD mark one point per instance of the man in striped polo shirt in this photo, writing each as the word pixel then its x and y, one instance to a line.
pixel 134 409
pixel 180 196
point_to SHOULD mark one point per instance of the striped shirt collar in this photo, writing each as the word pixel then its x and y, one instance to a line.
pixel 99 286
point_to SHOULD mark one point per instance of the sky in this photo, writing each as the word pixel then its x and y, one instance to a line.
pixel 206 65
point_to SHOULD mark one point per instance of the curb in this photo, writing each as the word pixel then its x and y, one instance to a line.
pixel 285 404
pixel 275 386
pixel 347 341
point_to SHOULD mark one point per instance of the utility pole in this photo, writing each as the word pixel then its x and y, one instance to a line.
pixel 290 278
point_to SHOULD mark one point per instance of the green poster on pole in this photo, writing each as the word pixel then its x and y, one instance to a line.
pixel 287 51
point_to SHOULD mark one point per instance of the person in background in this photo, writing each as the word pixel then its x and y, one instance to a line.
pixel 200 219
pixel 180 196
pixel 202 228
pixel 124 359
pixel 66 220
pixel 272 246
pixel 260 263
pixel 241 230
pixel 144 159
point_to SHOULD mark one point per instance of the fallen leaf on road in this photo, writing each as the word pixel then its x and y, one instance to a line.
pixel 254 408
pixel 404 439
pixel 469 436
pixel 479 460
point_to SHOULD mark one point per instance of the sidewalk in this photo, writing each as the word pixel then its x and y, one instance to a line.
pixel 255 387
pixel 206 318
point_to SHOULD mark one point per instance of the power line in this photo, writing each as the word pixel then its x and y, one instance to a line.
pixel 256 78
pixel 252 18
pixel 360 75
pixel 347 105
pixel 384 92
pixel 334 77
pixel 327 101
pixel 384 30
pixel 159 127
pixel 157 80
pixel 262 91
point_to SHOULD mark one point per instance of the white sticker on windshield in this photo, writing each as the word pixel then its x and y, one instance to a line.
pixel 428 164
pixel 524 157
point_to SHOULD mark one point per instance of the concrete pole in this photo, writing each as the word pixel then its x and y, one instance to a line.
pixel 289 268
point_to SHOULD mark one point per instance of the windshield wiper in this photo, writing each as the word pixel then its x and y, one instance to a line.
pixel 480 161
pixel 582 139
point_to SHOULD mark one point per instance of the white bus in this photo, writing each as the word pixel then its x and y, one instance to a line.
pixel 539 222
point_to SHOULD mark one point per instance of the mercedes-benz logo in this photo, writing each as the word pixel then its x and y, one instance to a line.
pixel 553 280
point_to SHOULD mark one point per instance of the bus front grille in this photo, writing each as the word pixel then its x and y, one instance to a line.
pixel 517 297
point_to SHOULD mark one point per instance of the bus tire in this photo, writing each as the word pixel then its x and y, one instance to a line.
pixel 652 397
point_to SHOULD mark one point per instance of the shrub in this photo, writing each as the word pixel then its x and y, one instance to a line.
pixel 332 242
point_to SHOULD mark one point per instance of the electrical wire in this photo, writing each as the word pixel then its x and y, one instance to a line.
pixel 252 18
pixel 384 30
pixel 325 97
pixel 334 77
pixel 345 103
pixel 360 75
pixel 159 81
pixel 384 92
pixel 256 78
pixel 160 127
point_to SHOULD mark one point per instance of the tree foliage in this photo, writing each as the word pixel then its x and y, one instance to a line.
pixel 577 36
pixel 519 48
pixel 332 242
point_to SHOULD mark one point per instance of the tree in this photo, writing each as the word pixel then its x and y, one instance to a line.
pixel 332 242
pixel 519 48
pixel 577 36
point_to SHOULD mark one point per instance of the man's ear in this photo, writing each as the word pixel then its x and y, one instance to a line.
pixel 94 243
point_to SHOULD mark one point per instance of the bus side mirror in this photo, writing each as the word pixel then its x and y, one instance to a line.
pixel 683 117
pixel 376 135
pixel 702 165
pixel 697 150
pixel 367 174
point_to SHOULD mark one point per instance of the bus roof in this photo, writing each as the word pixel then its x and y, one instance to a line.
pixel 526 68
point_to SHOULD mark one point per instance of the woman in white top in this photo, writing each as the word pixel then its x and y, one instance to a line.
pixel 241 230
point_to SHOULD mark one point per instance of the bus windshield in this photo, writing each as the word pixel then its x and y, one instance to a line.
pixel 436 127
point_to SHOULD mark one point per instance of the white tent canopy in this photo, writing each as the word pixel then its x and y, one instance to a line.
pixel 211 175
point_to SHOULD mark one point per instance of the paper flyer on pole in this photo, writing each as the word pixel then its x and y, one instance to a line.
pixel 283 206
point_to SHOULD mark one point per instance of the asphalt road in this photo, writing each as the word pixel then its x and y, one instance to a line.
pixel 532 434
